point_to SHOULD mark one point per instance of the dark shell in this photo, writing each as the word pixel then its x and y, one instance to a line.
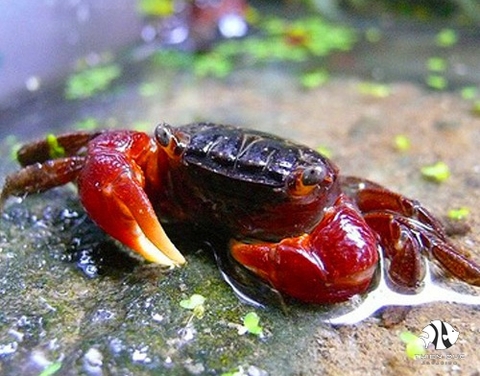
pixel 243 181
pixel 247 155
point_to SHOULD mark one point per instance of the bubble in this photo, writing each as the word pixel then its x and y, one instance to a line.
pixel 232 26
pixel 32 83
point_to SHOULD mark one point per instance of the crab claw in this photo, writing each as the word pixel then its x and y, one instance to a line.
pixel 334 262
pixel 111 188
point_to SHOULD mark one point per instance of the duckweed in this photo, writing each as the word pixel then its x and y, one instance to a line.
pixel 375 89
pixel 193 301
pixel 446 38
pixel 469 92
pixel 413 344
pixel 251 324
pixel 161 8
pixel 55 149
pixel 438 172
pixel 437 82
pixel 91 81
pixel 277 40
pixel 458 213
pixel 437 64
pixel 314 79
pixel 402 143
pixel 236 372
pixel 52 369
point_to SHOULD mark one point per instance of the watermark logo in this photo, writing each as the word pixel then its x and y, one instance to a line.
pixel 439 333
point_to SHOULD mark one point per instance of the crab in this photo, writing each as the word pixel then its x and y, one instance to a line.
pixel 290 218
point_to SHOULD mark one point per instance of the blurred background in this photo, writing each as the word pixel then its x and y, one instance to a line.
pixel 43 42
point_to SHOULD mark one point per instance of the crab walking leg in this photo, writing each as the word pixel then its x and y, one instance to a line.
pixel 39 177
pixel 408 231
pixel 71 145
pixel 111 190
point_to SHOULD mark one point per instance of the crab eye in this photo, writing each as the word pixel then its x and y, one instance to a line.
pixel 313 175
pixel 163 134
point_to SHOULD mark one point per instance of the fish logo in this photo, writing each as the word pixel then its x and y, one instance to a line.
pixel 440 333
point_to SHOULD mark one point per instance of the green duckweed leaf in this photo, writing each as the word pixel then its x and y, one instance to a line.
pixel 374 89
pixel 314 79
pixel 414 345
pixel 469 92
pixel 251 324
pixel 459 213
pixel 52 369
pixel 438 172
pixel 446 38
pixel 192 302
pixel 55 150
pixel 437 82
pixel 437 64
pixel 402 143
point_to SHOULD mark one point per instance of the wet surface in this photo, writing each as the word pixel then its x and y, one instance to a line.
pixel 73 296
pixel 42 41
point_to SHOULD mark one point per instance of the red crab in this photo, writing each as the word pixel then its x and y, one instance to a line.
pixel 307 232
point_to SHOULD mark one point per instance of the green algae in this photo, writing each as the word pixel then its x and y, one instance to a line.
pixel 91 81
pixel 279 40
pixel 133 317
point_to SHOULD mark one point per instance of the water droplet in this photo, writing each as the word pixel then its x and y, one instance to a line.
pixel 93 362
pixel 148 33
pixel 232 26
pixel 8 348
pixel 141 355
pixel 32 83
pixel 116 345
pixel 157 317
pixel 177 35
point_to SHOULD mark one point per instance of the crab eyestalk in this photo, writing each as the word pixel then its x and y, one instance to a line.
pixel 305 180
pixel 171 141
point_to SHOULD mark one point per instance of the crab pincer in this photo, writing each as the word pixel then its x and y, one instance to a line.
pixel 112 190
pixel 336 260
pixel 112 170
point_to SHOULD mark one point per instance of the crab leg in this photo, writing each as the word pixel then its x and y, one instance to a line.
pixel 39 177
pixel 71 145
pixel 407 229
pixel 42 171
